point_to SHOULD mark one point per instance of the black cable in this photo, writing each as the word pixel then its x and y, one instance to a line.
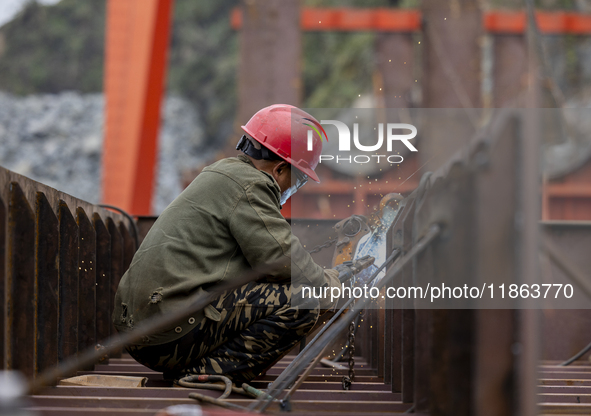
pixel 200 381
pixel 576 356
pixel 136 234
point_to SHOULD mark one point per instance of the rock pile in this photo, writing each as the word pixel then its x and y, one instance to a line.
pixel 57 140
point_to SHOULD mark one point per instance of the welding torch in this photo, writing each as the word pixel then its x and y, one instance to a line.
pixel 348 269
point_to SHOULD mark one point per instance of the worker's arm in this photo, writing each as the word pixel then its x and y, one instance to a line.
pixel 265 237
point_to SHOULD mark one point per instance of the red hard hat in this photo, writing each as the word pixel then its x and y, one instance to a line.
pixel 283 129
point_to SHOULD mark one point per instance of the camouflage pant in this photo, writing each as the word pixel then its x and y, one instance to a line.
pixel 257 327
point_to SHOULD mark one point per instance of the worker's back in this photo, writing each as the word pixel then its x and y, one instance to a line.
pixel 196 242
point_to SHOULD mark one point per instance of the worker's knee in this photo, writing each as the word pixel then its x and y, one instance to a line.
pixel 304 318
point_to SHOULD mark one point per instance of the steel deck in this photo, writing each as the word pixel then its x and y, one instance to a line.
pixel 321 394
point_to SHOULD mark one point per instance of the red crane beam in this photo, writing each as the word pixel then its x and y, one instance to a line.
pixel 137 39
pixel 409 20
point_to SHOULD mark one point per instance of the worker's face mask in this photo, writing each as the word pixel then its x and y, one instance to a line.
pixel 298 179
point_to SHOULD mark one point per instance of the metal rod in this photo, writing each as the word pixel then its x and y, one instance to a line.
pixel 306 373
pixel 576 356
pixel 92 355
pixel 285 378
pixel 285 373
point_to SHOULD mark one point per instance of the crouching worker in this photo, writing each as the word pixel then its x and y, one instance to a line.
pixel 226 223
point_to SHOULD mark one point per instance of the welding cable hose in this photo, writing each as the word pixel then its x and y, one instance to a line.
pixel 202 381
pixel 576 356
pixel 308 354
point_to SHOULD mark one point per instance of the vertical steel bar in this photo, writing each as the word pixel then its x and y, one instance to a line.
pixel 408 355
pixel 510 69
pixel 21 304
pixel 68 283
pixel 363 343
pixel 452 351
pixel 420 272
pixel 495 382
pixel 451 78
pixel 396 351
pixel 117 268
pixel 388 344
pixel 453 329
pixel 375 337
pixel 388 324
pixel 381 338
pixel 47 284
pixel 424 323
pixel 394 348
pixel 407 314
pixel 3 278
pixel 104 305
pixel 87 281
pixel 129 247
pixel 527 219
pixel 565 331
pixel 395 52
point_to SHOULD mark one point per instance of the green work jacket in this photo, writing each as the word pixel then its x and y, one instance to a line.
pixel 224 224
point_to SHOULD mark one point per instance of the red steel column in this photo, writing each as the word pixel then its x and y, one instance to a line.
pixel 137 40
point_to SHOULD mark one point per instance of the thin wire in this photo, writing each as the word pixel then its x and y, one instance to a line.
pixel 136 234
pixel 413 174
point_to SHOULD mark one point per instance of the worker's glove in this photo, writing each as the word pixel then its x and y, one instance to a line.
pixel 345 271
pixel 331 277
pixel 349 269
pixel 342 273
